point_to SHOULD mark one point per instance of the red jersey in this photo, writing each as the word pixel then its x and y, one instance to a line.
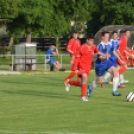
pixel 72 45
pixel 123 45
pixel 87 53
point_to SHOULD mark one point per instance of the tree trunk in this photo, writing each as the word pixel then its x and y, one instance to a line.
pixel 9 47
pixel 11 42
pixel 57 41
pixel 28 37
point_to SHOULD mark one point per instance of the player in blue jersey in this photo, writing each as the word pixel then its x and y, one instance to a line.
pixel 51 52
pixel 103 65
pixel 115 43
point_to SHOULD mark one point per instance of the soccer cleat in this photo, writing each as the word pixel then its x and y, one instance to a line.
pixel 116 93
pixel 121 86
pixel 89 92
pixel 67 85
pixel 62 69
pixel 124 81
pixel 84 98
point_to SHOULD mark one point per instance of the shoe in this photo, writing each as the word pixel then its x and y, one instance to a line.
pixel 124 81
pixel 89 92
pixel 62 69
pixel 84 98
pixel 67 85
pixel 116 93
pixel 121 86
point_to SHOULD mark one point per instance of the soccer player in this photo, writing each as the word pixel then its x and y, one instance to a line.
pixel 115 43
pixel 103 65
pixel 51 52
pixel 123 51
pixel 86 52
pixel 73 44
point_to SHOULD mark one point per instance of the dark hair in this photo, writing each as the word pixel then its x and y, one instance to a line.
pixel 126 30
pixel 75 32
pixel 89 36
pixel 104 32
pixel 114 32
pixel 122 31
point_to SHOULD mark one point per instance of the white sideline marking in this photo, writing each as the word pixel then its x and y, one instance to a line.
pixel 25 132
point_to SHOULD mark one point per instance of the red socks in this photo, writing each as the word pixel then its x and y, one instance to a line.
pixel 75 83
pixel 71 75
pixel 83 90
pixel 122 70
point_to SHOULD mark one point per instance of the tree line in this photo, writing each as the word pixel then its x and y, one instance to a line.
pixel 53 17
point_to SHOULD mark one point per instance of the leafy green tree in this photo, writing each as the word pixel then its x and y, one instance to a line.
pixel 111 12
pixel 8 11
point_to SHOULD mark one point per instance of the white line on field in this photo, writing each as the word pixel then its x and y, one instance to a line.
pixel 25 132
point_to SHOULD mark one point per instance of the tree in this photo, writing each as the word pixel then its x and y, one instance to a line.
pixel 111 12
pixel 9 10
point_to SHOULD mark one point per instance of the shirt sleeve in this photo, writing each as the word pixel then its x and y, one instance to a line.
pixel 96 49
pixel 69 45
pixel 100 48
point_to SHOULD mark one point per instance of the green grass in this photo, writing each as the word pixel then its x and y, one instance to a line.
pixel 39 104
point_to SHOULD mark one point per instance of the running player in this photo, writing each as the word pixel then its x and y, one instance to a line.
pixel 86 52
pixel 115 43
pixel 123 51
pixel 103 65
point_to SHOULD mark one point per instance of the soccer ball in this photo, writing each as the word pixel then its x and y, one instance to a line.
pixel 130 96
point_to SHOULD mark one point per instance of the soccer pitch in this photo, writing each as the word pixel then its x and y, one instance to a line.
pixel 39 104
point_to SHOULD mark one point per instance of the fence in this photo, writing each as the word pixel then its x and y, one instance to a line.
pixel 33 62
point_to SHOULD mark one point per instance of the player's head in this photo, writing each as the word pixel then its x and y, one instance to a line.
pixel 127 33
pixel 122 33
pixel 75 34
pixel 114 35
pixel 53 47
pixel 105 36
pixel 90 39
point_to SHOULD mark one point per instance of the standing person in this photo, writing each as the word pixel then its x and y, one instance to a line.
pixel 86 51
pixel 51 52
pixel 123 50
pixel 103 65
pixel 73 44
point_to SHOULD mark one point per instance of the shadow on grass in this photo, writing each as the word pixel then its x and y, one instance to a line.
pixel 39 93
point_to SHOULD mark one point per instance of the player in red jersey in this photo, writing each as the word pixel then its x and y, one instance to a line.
pixel 85 52
pixel 73 44
pixel 123 51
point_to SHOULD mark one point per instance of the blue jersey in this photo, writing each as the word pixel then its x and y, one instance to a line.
pixel 115 46
pixel 106 49
pixel 49 53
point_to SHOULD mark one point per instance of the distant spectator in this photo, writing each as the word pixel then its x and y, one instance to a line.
pixel 51 52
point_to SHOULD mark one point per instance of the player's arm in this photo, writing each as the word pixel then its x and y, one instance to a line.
pixel 118 57
pixel 103 56
pixel 128 54
pixel 55 52
pixel 68 48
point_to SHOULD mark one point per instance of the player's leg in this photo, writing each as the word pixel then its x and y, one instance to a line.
pixel 107 77
pixel 74 83
pixel 114 70
pixel 74 68
pixel 100 71
pixel 84 87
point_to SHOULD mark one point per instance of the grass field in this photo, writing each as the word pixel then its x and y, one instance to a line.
pixel 38 104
